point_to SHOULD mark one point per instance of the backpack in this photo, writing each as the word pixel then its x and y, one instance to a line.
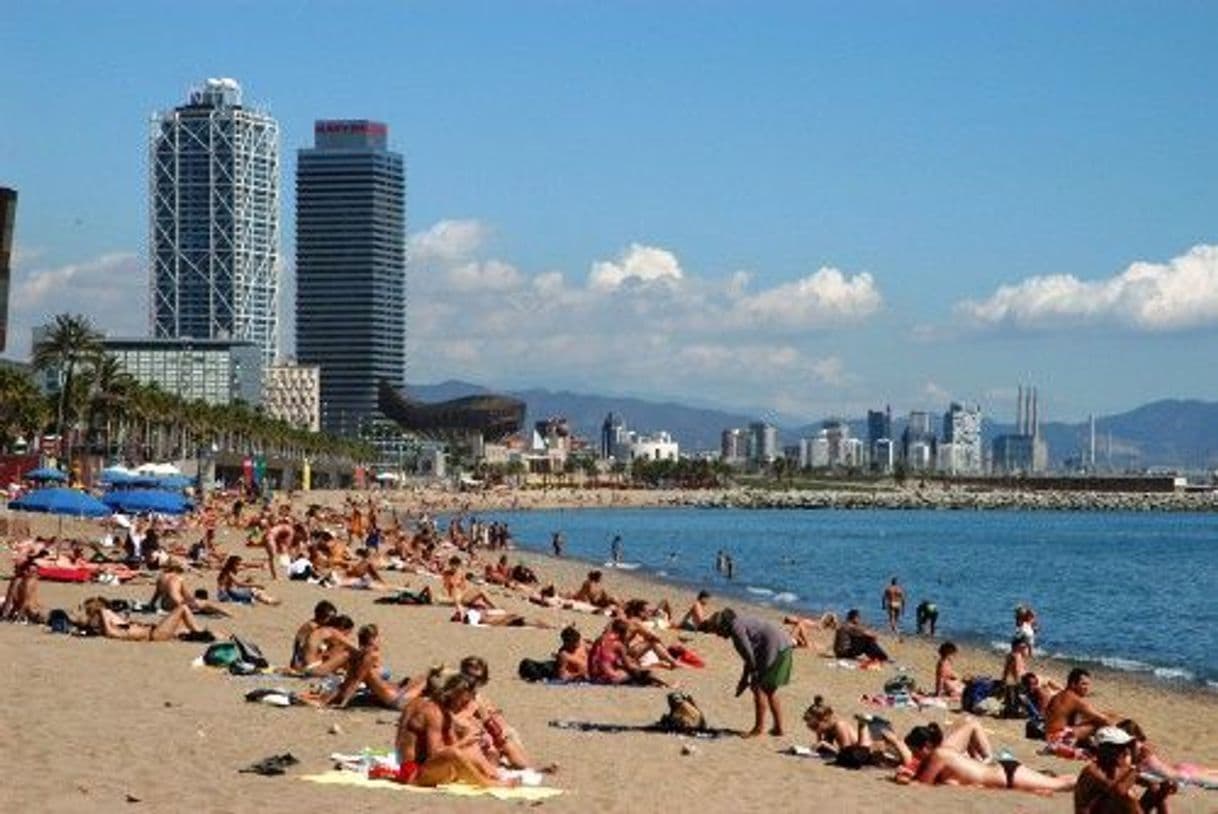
pixel 683 714
pixel 221 654
pixel 59 621
pixel 977 690
pixel 534 670
pixel 901 685
pixel 250 653
pixel 522 573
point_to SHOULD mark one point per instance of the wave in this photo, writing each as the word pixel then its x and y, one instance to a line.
pixel 1119 663
pixel 786 597
pixel 759 591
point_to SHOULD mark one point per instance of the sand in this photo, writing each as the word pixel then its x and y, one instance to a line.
pixel 89 723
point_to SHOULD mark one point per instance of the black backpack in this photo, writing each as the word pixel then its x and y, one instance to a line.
pixel 250 653
pixel 534 670
pixel 59 621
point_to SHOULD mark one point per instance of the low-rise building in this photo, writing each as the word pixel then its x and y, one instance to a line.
pixel 292 393
pixel 658 446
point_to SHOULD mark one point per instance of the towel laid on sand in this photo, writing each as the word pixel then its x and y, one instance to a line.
pixel 341 778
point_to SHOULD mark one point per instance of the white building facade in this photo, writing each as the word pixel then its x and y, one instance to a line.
pixel 292 393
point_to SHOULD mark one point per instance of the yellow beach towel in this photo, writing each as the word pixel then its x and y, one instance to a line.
pixel 341 778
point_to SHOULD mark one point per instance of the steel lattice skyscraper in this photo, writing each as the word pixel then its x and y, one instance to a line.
pixel 351 268
pixel 214 220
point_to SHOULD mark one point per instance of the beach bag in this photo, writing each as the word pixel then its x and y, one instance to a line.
pixel 1034 729
pixel 59 621
pixel 854 757
pixel 221 654
pixel 683 714
pixel 524 574
pixel 901 685
pixel 978 690
pixel 534 670
pixel 250 653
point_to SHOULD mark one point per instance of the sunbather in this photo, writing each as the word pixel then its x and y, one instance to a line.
pixel 964 759
pixel 21 599
pixel 105 622
pixel 947 683
pixel 231 588
pixel 1110 784
pixel 323 612
pixel 456 588
pixel 364 668
pixel 428 751
pixel 171 591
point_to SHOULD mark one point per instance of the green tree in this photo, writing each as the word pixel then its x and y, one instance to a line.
pixel 70 343
pixel 23 410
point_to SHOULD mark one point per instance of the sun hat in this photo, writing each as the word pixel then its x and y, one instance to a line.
pixel 1112 736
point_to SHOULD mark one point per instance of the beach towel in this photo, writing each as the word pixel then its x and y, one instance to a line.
pixel 904 701
pixel 525 793
pixel 592 726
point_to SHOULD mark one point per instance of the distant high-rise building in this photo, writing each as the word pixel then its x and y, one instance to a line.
pixel 918 441
pixel 961 440
pixel 8 213
pixel 879 426
pixel 762 443
pixel 214 220
pixel 351 268
pixel 615 441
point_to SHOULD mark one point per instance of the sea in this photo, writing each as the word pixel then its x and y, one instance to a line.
pixel 1136 592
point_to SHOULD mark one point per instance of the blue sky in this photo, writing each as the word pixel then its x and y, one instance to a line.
pixel 801 207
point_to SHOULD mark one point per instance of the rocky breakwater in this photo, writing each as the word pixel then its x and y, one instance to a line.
pixel 950 499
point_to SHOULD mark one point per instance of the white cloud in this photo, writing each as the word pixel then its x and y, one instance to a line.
pixel 111 289
pixel 493 275
pixel 448 241
pixel 824 297
pixel 1155 297
pixel 638 263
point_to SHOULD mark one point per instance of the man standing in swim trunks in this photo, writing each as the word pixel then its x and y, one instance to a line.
pixel 765 649
pixel 894 605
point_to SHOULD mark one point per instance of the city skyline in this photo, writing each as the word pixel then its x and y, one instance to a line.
pixel 879 205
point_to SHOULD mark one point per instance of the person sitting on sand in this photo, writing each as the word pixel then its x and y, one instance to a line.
pixel 593 592
pixel 609 662
pixel 641 640
pixel 428 750
pixel 21 599
pixel 696 618
pixel 765 649
pixel 231 588
pixel 455 588
pixel 1069 716
pixel 803 628
pixel 499 741
pixel 171 591
pixel 104 622
pixel 1108 786
pixel 947 683
pixel 364 668
pixel 500 573
pixel 323 612
pixel 854 640
pixel 571 658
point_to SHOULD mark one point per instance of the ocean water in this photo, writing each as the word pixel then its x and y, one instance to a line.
pixel 1133 591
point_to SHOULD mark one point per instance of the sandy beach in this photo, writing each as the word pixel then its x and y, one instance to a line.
pixel 98 725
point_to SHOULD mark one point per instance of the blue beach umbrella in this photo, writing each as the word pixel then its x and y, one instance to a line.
pixel 58 500
pixel 115 476
pixel 134 501
pixel 174 482
pixel 46 474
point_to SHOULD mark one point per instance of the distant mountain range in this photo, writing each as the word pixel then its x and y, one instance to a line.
pixel 1169 433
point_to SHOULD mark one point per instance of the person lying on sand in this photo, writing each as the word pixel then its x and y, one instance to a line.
pixel 495 617
pixel 1069 716
pixel 171 591
pixel 231 588
pixel 21 599
pixel 104 622
pixel 804 628
pixel 548 597
pixel 428 749
pixel 963 757
pixel 1149 761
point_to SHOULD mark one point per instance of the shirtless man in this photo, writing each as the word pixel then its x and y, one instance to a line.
pixel 21 598
pixel 362 573
pixel 455 585
pixel 276 541
pixel 571 659
pixel 171 591
pixel 894 605
pixel 695 618
pixel 323 612
pixel 428 749
pixel 1069 716
pixel 593 592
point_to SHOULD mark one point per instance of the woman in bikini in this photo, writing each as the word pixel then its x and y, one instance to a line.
pixel 963 759
pixel 229 588
pixel 947 683
pixel 105 622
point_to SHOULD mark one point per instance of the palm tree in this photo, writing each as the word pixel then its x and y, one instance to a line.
pixel 23 410
pixel 110 389
pixel 71 341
